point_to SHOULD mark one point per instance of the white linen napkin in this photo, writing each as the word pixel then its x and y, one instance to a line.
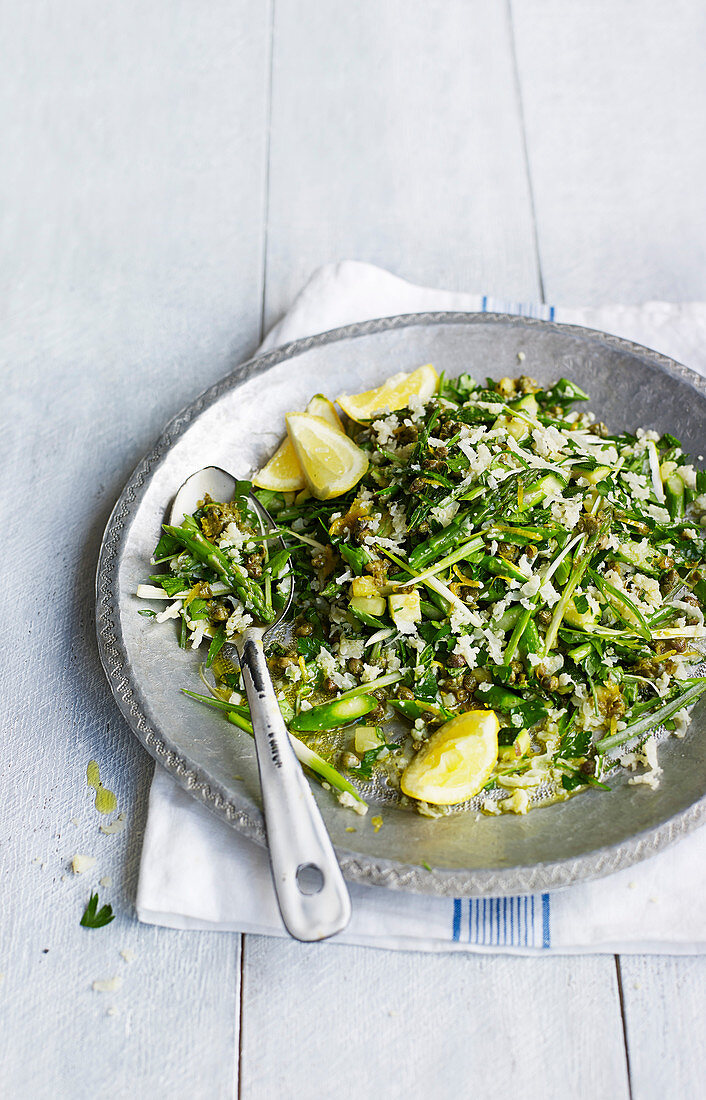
pixel 197 872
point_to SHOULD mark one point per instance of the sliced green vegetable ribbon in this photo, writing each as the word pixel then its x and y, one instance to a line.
pixel 236 715
pixel 654 718
pixel 614 594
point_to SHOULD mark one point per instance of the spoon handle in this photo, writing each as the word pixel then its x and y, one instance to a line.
pixel 311 893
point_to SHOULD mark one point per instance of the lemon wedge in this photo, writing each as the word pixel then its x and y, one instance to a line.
pixel 392 395
pixel 283 473
pixel 321 406
pixel 330 461
pixel 457 760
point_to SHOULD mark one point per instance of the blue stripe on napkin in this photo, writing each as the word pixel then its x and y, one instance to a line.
pixel 502 922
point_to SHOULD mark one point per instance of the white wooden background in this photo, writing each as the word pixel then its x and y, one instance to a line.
pixel 171 173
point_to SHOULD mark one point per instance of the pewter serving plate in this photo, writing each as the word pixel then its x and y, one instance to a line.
pixel 236 425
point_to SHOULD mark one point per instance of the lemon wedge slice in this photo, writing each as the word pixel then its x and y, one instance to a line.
pixel 457 760
pixel 321 406
pixel 283 473
pixel 330 461
pixel 392 395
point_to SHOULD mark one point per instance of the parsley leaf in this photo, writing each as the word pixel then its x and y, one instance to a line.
pixel 166 548
pixel 198 609
pixel 270 499
pixel 573 778
pixel 93 917
pixel 564 392
pixel 573 742
pixel 309 646
pixel 365 770
pixel 171 583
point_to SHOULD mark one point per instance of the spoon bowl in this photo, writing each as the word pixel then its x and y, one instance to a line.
pixel 220 486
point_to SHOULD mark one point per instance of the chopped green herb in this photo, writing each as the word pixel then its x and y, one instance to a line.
pixel 93 917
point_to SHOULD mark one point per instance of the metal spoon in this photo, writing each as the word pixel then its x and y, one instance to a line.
pixel 312 896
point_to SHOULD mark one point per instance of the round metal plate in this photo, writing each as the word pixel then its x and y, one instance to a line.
pixel 236 425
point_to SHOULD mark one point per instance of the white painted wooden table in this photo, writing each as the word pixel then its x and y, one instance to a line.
pixel 171 173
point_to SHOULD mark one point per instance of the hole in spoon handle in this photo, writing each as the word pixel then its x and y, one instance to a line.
pixel 310 878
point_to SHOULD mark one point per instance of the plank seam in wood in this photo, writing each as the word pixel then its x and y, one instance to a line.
pixel 266 184
pixel 525 150
pixel 619 977
pixel 238 1060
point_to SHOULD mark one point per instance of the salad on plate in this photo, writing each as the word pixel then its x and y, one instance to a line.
pixel 499 601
